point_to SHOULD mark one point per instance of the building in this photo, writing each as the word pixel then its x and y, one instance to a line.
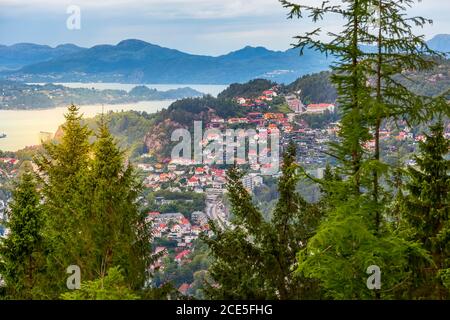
pixel 320 108
pixel 199 217
pixel 251 181
pixel 166 217
pixel 182 255
pixel 295 104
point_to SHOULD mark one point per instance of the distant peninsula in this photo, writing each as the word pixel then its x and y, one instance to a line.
pixel 22 96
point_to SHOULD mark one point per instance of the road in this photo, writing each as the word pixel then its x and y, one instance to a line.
pixel 215 210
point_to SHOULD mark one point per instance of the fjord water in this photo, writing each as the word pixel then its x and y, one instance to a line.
pixel 23 127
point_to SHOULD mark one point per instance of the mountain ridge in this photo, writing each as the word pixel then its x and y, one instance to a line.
pixel 138 61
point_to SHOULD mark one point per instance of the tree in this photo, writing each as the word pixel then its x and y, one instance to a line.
pixel 118 232
pixel 397 49
pixel 427 210
pixel 255 258
pixel 21 252
pixel 110 286
pixel 62 167
pixel 92 213
pixel 357 231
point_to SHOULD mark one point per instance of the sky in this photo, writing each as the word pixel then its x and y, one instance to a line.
pixel 209 27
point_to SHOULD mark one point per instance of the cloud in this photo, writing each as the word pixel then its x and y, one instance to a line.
pixel 195 9
pixel 199 26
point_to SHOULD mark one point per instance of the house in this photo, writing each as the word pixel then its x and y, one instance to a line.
pixel 218 172
pixel 319 108
pixel 161 250
pixel 270 93
pixel 176 229
pixel 295 104
pixel 145 167
pixel 217 120
pixel 237 120
pixel 196 230
pixel 11 161
pixel 241 100
pixel 167 217
pixel 199 171
pixel 199 217
pixel 183 289
pixel 182 255
pixel 153 215
pixel 193 182
pixel 402 135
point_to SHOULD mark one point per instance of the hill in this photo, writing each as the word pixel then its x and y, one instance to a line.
pixel 250 89
pixel 19 55
pixel 314 88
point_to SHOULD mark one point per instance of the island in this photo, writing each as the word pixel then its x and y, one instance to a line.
pixel 19 95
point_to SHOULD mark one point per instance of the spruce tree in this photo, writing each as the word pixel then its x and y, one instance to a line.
pixel 21 252
pixel 255 258
pixel 427 210
pixel 398 49
pixel 356 232
pixel 119 234
pixel 63 168
pixel 110 286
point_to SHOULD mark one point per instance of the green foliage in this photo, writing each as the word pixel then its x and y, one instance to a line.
pixel 63 166
pixel 427 209
pixel 358 230
pixel 319 121
pixel 22 252
pixel 92 217
pixel 251 89
pixel 315 88
pixel 185 111
pixel 183 202
pixel 193 271
pixel 254 259
pixel 110 287
pixel 128 128
pixel 345 246
pixel 119 234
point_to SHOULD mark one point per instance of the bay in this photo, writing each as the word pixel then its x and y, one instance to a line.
pixel 23 127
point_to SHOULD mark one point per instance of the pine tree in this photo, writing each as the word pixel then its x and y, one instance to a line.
pixel 254 259
pixel 21 252
pixel 427 210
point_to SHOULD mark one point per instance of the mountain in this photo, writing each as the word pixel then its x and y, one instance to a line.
pixel 136 61
pixel 440 42
pixel 22 54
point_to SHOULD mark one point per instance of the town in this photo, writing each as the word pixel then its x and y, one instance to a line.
pixel 177 233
